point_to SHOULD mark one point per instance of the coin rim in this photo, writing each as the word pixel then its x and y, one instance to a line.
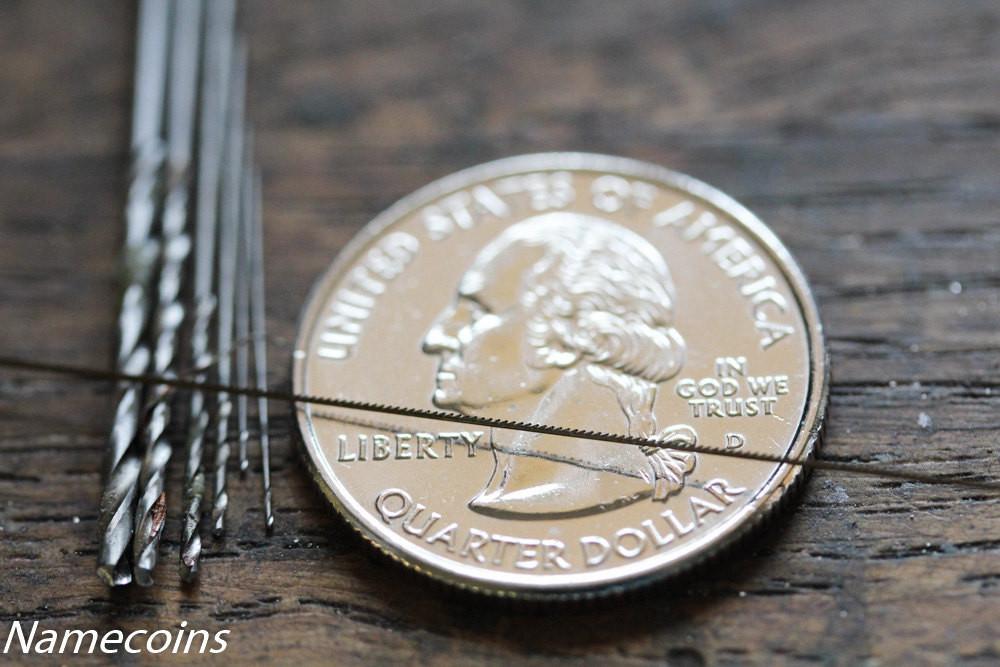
pixel 777 487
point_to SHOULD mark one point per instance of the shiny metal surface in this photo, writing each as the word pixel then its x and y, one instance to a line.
pixel 215 83
pixel 258 318
pixel 170 310
pixel 229 230
pixel 573 290
pixel 139 267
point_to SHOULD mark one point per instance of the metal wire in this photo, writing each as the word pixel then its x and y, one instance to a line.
pixel 892 472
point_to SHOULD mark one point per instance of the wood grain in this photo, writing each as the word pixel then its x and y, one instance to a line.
pixel 866 134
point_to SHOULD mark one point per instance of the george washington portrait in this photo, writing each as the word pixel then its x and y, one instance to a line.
pixel 565 319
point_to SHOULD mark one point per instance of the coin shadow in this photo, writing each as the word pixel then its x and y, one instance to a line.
pixel 673 608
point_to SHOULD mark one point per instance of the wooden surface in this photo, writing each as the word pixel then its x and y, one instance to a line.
pixel 867 134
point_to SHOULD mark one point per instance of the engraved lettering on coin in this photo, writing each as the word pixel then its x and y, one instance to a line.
pixel 571 290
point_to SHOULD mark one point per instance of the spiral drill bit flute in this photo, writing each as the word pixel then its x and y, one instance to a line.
pixel 216 71
pixel 259 325
pixel 228 250
pixel 243 309
pixel 151 512
pixel 141 250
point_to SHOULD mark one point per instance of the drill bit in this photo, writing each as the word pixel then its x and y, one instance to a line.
pixel 217 55
pixel 243 308
pixel 151 506
pixel 141 250
pixel 260 340
pixel 227 256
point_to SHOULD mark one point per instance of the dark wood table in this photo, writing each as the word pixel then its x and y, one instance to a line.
pixel 866 134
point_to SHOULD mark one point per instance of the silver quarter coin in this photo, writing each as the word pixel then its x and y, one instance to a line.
pixel 573 290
